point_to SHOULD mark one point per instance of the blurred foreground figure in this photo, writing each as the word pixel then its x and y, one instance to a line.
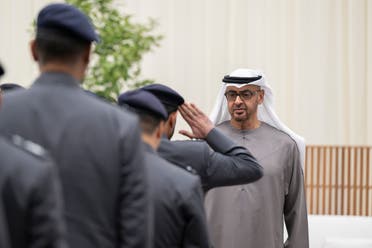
pixel 177 198
pixel 30 203
pixel 96 146
pixel 30 195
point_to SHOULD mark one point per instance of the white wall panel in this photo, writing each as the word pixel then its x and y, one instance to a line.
pixel 316 55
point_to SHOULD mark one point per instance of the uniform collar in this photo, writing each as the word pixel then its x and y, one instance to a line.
pixel 57 78
pixel 148 148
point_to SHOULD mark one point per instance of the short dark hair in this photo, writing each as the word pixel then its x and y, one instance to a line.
pixel 58 45
pixel 148 121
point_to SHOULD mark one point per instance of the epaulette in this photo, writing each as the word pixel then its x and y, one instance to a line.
pixel 27 146
pixel 190 170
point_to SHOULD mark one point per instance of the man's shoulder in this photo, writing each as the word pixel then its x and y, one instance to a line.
pixel 264 130
pixel 103 107
pixel 180 179
pixel 278 141
pixel 18 153
pixel 91 108
pixel 17 144
pixel 187 146
pixel 183 152
pixel 224 125
pixel 16 97
pixel 278 135
pixel 75 100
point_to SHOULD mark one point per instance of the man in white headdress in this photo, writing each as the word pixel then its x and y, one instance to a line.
pixel 252 215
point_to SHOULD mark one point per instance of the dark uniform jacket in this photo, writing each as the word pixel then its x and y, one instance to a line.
pixel 225 164
pixel 30 203
pixel 177 199
pixel 99 155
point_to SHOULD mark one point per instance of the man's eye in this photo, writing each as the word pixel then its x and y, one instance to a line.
pixel 232 94
pixel 246 94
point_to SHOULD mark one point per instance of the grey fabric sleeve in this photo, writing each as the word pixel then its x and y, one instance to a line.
pixel 295 212
pixel 220 142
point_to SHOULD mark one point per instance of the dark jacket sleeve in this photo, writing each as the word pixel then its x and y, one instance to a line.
pixel 47 227
pixel 227 163
pixel 196 232
pixel 134 211
pixel 295 212
pixel 4 232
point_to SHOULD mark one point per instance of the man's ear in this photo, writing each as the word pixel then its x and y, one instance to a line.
pixel 261 96
pixel 173 119
pixel 34 50
pixel 160 130
pixel 157 135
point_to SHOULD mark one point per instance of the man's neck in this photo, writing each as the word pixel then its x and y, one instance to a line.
pixel 151 141
pixel 246 125
pixel 54 67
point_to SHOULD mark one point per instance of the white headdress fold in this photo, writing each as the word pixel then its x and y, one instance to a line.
pixel 265 110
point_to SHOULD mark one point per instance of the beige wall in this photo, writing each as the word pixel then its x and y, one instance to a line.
pixel 317 55
pixel 16 17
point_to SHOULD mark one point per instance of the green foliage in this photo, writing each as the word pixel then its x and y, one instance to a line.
pixel 116 58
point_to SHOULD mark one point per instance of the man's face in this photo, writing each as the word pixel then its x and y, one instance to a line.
pixel 243 102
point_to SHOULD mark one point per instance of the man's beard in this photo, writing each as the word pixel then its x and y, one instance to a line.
pixel 243 116
pixel 240 117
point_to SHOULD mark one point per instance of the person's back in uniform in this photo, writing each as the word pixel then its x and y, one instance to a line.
pixel 177 197
pixel 96 146
pixel 175 194
pixel 30 197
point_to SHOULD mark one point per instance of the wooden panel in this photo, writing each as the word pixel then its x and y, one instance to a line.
pixel 338 180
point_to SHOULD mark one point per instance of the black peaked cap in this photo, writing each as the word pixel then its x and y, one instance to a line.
pixel 145 101
pixel 166 95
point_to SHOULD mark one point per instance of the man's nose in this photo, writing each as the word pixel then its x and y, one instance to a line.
pixel 238 100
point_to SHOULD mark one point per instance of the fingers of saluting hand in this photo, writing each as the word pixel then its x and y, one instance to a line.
pixel 190 110
pixel 187 134
pixel 202 121
pixel 197 120
pixel 186 112
pixel 195 110
pixel 183 113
